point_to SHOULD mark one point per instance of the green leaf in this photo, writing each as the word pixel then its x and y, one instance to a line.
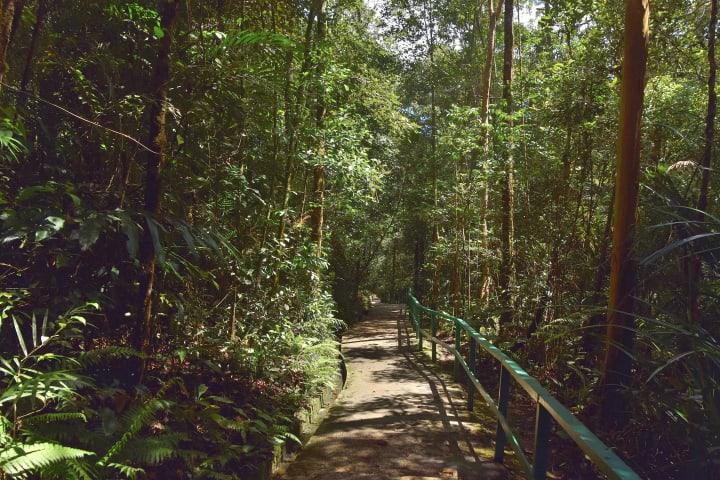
pixel 292 437
pixel 57 223
pixel 30 192
pixel 21 340
pixel 41 235
pixel 202 388
pixel 668 363
pixel 155 235
pixel 131 231
pixel 181 354
pixel 89 231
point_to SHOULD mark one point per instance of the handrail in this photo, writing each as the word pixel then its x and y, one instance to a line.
pixel 548 407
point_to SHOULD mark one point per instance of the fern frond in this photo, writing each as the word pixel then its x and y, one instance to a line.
pixel 132 473
pixel 54 417
pixel 72 469
pixel 79 471
pixel 154 450
pixel 20 459
pixel 45 387
pixel 98 355
pixel 141 417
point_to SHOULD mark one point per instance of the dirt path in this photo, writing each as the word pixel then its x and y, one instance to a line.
pixel 395 419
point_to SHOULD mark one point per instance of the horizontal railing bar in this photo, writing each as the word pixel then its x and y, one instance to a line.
pixel 605 459
pixel 514 442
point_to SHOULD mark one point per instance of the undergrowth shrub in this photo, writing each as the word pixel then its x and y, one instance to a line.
pixel 61 417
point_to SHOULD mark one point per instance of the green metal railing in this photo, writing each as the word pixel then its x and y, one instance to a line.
pixel 548 408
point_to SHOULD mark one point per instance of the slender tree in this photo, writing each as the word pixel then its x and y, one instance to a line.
pixel 429 22
pixel 42 10
pixel 318 209
pixel 7 14
pixel 485 80
pixel 590 336
pixel 154 163
pixel 621 321
pixel 294 105
pixel 702 202
pixel 507 268
pixel 693 265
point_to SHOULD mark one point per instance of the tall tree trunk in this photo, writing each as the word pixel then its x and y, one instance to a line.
pixel 693 267
pixel 430 31
pixel 318 210
pixel 7 13
pixel 591 332
pixel 19 7
pixel 290 134
pixel 711 109
pixel 42 10
pixel 294 106
pixel 493 16
pixel 507 268
pixel 154 162
pixel 621 322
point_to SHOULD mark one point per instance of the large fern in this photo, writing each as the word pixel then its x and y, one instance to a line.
pixel 20 459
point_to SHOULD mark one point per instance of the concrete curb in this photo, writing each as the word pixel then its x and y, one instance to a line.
pixel 307 421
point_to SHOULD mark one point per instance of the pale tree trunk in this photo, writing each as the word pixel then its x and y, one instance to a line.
pixel 621 321
pixel 290 134
pixel 154 163
pixel 493 16
pixel 318 209
pixel 7 13
pixel 430 31
pixel 507 268
pixel 19 7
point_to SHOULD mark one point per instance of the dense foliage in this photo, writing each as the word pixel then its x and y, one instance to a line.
pixel 196 197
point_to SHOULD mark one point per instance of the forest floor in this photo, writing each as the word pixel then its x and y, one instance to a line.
pixel 397 418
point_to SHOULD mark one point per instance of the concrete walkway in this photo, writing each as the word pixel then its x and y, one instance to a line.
pixel 395 419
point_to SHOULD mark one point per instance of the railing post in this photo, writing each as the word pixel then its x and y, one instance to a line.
pixel 503 398
pixel 542 444
pixel 419 327
pixel 414 319
pixel 433 330
pixel 458 340
pixel 399 328
pixel 472 364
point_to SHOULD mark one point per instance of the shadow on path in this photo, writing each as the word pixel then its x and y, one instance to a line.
pixel 395 419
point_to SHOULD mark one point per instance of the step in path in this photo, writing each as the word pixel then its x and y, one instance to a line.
pixel 396 418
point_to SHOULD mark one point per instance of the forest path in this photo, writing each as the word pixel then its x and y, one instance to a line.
pixel 396 419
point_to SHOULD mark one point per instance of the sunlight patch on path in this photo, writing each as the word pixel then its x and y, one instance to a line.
pixel 395 419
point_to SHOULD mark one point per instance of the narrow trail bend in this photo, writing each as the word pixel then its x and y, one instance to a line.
pixel 396 418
